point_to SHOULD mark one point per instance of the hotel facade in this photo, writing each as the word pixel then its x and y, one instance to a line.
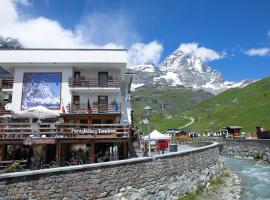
pixel 87 89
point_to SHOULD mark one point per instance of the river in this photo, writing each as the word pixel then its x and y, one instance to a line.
pixel 255 177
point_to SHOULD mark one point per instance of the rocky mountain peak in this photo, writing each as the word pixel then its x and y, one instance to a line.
pixel 182 70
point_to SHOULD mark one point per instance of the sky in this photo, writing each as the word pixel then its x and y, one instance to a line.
pixel 232 36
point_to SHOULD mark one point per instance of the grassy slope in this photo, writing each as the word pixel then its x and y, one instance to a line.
pixel 247 107
pixel 178 99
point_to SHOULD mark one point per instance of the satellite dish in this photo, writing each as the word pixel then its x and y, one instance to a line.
pixel 8 106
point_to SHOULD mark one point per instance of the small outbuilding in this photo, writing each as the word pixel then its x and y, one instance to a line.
pixel 180 136
pixel 234 130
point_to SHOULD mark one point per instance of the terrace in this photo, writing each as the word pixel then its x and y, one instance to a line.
pixel 38 132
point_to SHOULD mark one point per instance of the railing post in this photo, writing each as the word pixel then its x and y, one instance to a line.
pixel 58 152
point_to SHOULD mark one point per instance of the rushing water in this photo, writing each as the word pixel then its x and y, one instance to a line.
pixel 255 177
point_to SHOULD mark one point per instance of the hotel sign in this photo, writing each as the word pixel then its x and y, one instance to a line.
pixel 87 131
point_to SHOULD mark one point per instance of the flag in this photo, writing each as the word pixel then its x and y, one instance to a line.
pixel 116 107
pixel 89 107
pixel 63 107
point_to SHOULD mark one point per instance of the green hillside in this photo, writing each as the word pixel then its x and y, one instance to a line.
pixel 247 107
pixel 176 100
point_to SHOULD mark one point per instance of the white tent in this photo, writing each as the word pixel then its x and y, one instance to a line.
pixel 155 135
pixel 39 112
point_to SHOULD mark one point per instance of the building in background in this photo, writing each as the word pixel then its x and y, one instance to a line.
pixel 89 91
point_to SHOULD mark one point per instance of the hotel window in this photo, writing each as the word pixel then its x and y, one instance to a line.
pixel 83 123
pixel 101 121
pixel 103 79
pixel 77 76
pixel 103 100
pixel 102 103
pixel 76 100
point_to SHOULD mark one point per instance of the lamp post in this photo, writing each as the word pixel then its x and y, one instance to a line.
pixel 148 112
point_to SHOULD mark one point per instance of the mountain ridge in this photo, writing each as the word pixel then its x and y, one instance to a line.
pixel 183 70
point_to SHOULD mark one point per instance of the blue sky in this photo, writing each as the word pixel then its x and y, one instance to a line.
pixel 233 35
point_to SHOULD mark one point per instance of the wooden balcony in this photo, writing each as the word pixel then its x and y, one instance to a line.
pixel 95 108
pixel 89 82
pixel 3 111
pixel 45 132
pixel 7 83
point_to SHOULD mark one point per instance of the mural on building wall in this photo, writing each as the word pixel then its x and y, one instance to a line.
pixel 41 89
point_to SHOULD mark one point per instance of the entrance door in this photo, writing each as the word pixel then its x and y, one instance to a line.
pixel 102 104
pixel 103 79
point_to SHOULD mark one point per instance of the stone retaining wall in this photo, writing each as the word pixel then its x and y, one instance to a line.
pixel 250 149
pixel 165 176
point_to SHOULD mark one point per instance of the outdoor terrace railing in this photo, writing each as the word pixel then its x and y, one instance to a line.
pixel 62 130
pixel 3 111
pixel 94 108
pixel 94 82
pixel 7 83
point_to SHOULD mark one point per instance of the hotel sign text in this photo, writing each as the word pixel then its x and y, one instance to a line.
pixel 86 131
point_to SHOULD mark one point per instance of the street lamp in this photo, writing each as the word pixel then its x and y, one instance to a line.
pixel 148 112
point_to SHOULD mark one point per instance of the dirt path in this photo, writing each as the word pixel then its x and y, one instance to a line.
pixel 192 120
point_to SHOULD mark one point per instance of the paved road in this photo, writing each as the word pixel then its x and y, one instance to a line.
pixel 192 120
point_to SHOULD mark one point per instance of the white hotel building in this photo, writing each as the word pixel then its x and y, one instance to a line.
pixel 87 88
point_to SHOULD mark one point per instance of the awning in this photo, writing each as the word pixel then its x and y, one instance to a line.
pixel 155 135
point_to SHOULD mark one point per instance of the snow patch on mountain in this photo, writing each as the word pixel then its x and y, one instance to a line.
pixel 144 67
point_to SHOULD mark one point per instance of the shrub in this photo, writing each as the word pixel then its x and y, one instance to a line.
pixel 14 167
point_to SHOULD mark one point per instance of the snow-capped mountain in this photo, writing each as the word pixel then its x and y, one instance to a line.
pixel 182 70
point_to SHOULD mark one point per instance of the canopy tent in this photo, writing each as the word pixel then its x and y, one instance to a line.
pixel 39 112
pixel 155 135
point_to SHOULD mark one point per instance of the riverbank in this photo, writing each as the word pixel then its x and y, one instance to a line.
pixel 226 186
pixel 255 176
pixel 248 149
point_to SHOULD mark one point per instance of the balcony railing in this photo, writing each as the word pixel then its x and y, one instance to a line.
pixel 7 83
pixel 63 130
pixel 94 82
pixel 3 111
pixel 94 108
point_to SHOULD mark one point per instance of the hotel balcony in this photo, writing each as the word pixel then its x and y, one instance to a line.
pixel 7 84
pixel 3 111
pixel 94 82
pixel 44 131
pixel 95 109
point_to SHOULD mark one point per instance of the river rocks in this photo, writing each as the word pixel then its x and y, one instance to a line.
pixel 248 149
pixel 230 189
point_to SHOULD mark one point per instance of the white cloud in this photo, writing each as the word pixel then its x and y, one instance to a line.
pixel 95 31
pixel 103 28
pixel 23 2
pixel 140 53
pixel 258 52
pixel 35 32
pixel 204 53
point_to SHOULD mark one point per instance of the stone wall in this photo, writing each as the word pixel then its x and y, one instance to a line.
pixel 250 149
pixel 165 176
